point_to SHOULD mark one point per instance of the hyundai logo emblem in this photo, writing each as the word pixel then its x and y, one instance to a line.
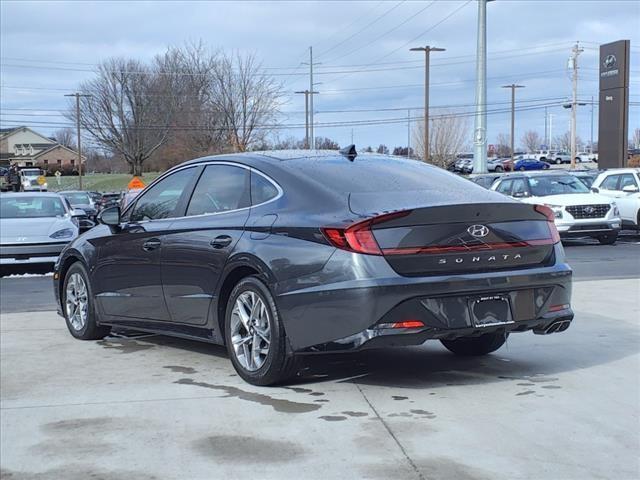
pixel 478 231
pixel 589 210
pixel 609 61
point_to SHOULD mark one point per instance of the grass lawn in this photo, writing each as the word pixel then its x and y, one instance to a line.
pixel 100 182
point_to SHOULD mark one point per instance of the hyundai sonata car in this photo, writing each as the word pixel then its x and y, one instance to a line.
pixel 278 255
pixel 34 227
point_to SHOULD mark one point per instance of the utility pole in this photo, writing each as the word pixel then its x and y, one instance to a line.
pixel 78 95
pixel 306 93
pixel 546 128
pixel 513 87
pixel 480 128
pixel 591 144
pixel 573 63
pixel 311 94
pixel 550 147
pixel 409 133
pixel 427 51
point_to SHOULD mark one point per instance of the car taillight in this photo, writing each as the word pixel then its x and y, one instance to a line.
pixel 359 237
pixel 551 217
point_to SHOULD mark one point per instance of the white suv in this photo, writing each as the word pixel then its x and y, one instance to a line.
pixel 623 186
pixel 578 212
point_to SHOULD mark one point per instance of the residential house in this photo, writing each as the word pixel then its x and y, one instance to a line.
pixel 25 147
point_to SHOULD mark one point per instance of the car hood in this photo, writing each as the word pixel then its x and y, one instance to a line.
pixel 33 230
pixel 570 199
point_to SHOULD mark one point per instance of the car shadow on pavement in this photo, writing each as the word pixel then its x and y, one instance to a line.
pixel 592 340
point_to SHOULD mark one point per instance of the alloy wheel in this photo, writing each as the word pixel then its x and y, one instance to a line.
pixel 250 330
pixel 77 301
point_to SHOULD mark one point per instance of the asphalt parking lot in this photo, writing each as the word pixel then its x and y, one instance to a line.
pixel 562 406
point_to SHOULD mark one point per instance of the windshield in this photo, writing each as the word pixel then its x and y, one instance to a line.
pixel 31 207
pixel 77 198
pixel 556 185
pixel 31 173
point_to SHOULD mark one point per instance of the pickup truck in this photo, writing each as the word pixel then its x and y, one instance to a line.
pixel 551 156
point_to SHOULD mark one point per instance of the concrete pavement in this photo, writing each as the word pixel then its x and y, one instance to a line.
pixel 563 406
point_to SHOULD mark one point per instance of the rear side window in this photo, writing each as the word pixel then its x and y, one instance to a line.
pixel 262 190
pixel 610 183
pixel 221 188
pixel 626 180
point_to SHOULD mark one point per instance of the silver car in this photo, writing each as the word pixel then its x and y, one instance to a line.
pixel 35 227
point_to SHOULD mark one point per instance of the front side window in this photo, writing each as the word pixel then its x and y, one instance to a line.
pixel 610 183
pixel 221 188
pixel 161 200
pixel 262 190
pixel 519 188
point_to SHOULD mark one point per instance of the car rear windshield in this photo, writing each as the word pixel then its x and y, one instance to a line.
pixel 78 198
pixel 556 185
pixel 31 207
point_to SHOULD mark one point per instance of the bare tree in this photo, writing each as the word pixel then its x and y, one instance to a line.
pixel 383 149
pixel 130 109
pixel 325 143
pixel 563 142
pixel 531 140
pixel 447 135
pixel 65 136
pixel 503 145
pixel 247 99
pixel 635 138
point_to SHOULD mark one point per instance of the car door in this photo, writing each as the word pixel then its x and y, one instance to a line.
pixel 196 251
pixel 627 202
pixel 127 278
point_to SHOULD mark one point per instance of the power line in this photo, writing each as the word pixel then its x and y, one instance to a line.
pixel 377 19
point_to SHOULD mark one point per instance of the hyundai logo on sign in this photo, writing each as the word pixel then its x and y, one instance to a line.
pixel 478 231
pixel 609 61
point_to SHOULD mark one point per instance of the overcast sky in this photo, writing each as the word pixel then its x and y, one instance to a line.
pixel 47 48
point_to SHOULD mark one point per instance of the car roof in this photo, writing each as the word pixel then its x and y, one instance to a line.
pixel 623 170
pixel 536 173
pixel 31 194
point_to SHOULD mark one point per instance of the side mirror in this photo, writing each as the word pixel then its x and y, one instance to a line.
pixel 77 212
pixel 595 189
pixel 110 216
pixel 630 189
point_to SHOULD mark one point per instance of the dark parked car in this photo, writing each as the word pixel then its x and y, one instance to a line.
pixel 282 254
pixel 530 164
pixel 110 199
pixel 82 201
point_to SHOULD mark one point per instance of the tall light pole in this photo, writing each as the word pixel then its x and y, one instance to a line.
pixel 78 95
pixel 513 87
pixel 427 51
pixel 480 128
pixel 573 63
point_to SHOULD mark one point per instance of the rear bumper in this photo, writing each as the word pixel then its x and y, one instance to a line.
pixel 30 254
pixel 345 315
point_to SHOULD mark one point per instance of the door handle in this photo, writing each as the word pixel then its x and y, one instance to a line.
pixel 221 241
pixel 151 244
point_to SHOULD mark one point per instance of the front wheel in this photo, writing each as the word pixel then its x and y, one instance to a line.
pixel 475 346
pixel 608 239
pixel 558 161
pixel 498 169
pixel 255 336
pixel 78 305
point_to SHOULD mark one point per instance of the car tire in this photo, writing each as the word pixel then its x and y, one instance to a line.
pixel 80 311
pixel 476 346
pixel 546 167
pixel 558 161
pixel 608 239
pixel 522 169
pixel 499 169
pixel 277 365
pixel 543 159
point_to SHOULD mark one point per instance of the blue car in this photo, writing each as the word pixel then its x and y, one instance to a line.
pixel 530 164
